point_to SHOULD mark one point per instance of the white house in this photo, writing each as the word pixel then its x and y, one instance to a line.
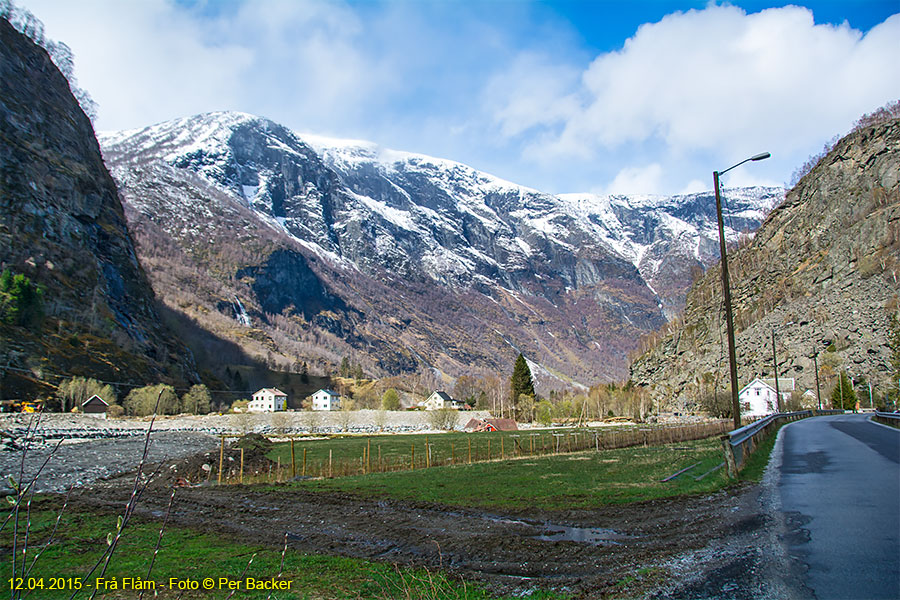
pixel 439 400
pixel 268 400
pixel 326 400
pixel 758 398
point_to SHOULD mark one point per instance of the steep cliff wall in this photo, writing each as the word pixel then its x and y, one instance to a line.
pixel 822 272
pixel 62 225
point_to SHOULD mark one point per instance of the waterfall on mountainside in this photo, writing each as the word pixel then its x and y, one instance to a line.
pixel 241 314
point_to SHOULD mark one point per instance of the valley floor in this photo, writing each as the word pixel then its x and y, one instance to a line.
pixel 713 545
pixel 685 547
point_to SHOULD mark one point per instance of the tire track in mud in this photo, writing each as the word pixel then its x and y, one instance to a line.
pixel 503 550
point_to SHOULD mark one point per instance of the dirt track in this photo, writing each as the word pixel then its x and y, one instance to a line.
pixel 503 550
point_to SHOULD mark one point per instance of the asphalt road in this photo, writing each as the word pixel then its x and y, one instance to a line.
pixel 839 489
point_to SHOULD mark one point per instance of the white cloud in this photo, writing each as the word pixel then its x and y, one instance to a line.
pixel 722 78
pixel 532 92
pixel 152 60
pixel 493 84
pixel 694 186
pixel 637 180
pixel 717 83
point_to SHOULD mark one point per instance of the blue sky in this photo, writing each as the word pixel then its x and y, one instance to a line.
pixel 566 96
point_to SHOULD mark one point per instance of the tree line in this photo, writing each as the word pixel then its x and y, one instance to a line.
pixel 73 393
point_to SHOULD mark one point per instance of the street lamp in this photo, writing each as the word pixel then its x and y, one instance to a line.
pixel 729 320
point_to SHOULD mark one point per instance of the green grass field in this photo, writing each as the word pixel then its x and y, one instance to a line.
pixel 189 556
pixel 578 480
pixel 355 454
pixel 558 481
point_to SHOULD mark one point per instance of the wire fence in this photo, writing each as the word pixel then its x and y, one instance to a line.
pixel 361 455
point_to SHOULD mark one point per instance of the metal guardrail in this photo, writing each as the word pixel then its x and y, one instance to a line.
pixel 740 443
pixel 888 418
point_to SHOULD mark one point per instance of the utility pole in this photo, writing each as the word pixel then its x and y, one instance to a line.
pixel 779 408
pixel 818 393
pixel 729 319
pixel 841 387
pixel 726 288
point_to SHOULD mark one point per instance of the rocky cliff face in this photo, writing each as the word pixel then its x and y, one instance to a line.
pixel 821 272
pixel 61 224
pixel 400 261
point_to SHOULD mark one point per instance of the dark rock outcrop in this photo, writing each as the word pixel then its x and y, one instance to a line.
pixel 61 224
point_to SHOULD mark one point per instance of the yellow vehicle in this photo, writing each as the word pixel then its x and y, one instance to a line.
pixel 29 406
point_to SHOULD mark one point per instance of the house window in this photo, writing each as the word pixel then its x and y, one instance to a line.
pixel 757 392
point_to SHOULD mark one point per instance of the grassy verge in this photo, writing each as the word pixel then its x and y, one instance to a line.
pixel 188 556
pixel 580 480
pixel 756 464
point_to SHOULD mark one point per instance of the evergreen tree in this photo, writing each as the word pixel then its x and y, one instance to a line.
pixel 21 301
pixel 843 396
pixel 304 373
pixel 345 367
pixel 894 344
pixel 521 383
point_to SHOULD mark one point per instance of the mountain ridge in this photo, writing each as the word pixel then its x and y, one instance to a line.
pixel 373 224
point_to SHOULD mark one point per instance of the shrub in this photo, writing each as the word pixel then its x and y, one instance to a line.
pixel 444 419
pixel 390 400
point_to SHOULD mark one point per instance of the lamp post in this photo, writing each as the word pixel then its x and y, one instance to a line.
pixel 726 286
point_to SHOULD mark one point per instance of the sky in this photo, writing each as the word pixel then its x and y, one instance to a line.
pixel 639 96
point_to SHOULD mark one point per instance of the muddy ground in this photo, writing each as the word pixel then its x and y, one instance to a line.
pixel 720 545
pixel 700 547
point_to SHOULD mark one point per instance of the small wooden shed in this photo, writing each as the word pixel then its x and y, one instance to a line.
pixel 95 406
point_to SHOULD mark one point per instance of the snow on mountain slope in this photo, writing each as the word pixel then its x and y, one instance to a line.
pixel 566 273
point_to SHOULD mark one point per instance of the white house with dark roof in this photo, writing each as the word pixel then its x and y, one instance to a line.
pixel 326 400
pixel 440 399
pixel 268 400
pixel 758 398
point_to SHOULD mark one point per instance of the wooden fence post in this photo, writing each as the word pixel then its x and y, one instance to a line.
pixel 221 458
pixel 729 456
pixel 293 462
pixel 304 462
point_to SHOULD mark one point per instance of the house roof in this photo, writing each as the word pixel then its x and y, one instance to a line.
pixel 274 391
pixel 784 384
pixel 329 392
pixel 503 424
pixel 91 399
pixel 443 396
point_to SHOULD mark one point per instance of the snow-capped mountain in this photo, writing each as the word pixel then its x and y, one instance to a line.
pixel 402 260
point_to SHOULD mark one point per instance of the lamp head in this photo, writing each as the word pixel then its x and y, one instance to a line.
pixel 762 156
